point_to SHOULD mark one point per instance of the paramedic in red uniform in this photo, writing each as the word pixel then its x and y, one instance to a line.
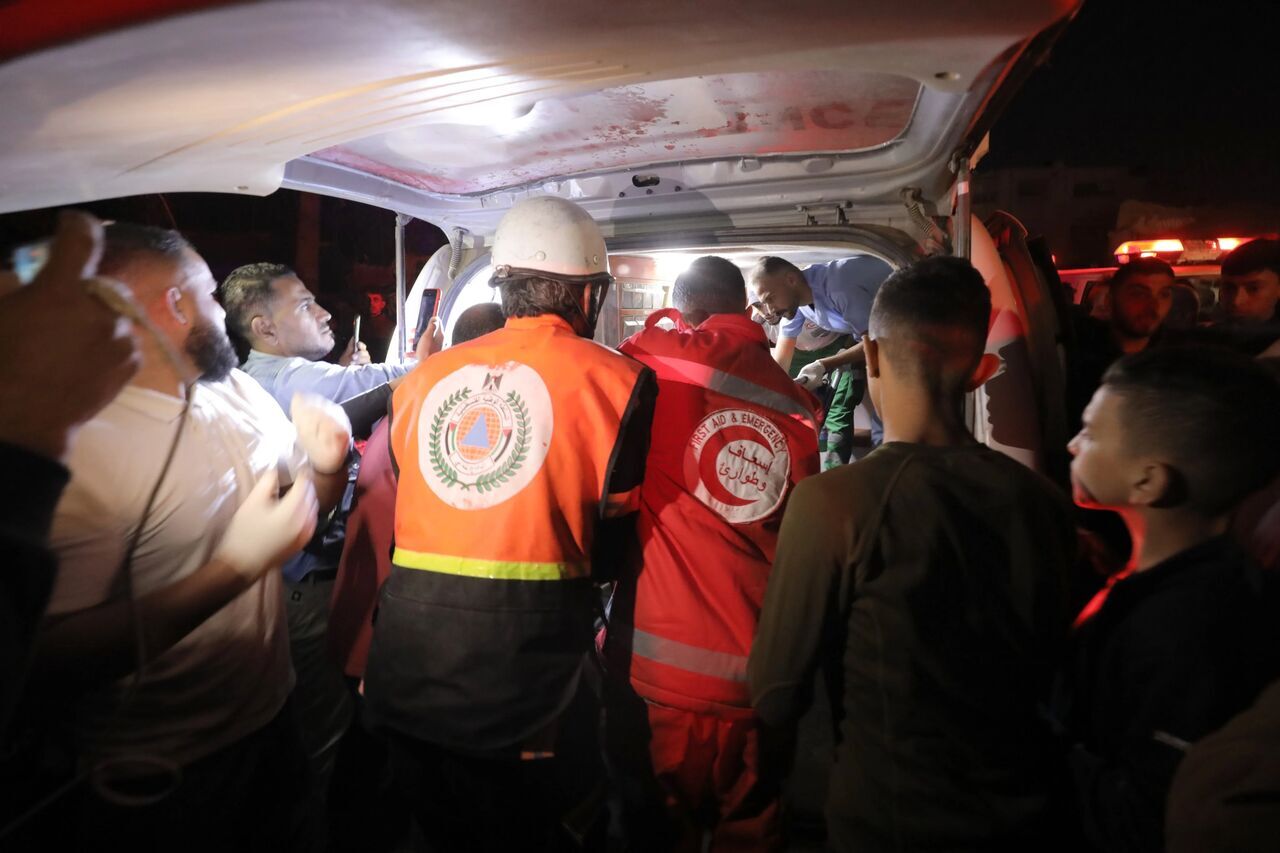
pixel 519 457
pixel 733 435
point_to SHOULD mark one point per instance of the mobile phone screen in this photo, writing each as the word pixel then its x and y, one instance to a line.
pixel 427 310
pixel 29 259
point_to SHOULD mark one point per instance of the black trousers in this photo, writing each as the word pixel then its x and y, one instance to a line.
pixel 475 804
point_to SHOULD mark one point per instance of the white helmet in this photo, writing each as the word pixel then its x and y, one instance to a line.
pixel 551 237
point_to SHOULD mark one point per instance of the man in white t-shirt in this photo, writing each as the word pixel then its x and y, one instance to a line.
pixel 204 618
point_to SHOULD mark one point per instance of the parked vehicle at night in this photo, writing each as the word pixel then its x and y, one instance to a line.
pixel 810 131
pixel 858 142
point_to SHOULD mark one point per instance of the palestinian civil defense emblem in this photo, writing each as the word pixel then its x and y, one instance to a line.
pixel 484 433
pixel 738 464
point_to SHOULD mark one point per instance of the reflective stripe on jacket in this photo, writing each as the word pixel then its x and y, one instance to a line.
pixel 734 434
pixel 504 447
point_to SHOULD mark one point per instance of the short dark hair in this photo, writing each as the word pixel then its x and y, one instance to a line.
pixel 1213 411
pixel 534 296
pixel 772 265
pixel 476 321
pixel 941 308
pixel 711 284
pixel 247 292
pixel 1254 256
pixel 1140 266
pixel 125 243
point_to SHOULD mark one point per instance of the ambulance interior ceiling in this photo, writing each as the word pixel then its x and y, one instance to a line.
pixel 450 110
pixel 665 265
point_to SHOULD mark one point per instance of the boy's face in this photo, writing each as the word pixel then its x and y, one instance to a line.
pixel 1100 464
pixel 1251 298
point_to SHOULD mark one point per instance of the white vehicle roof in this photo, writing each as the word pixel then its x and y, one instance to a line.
pixel 450 111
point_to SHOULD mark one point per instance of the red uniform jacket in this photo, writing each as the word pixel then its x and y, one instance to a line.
pixel 732 436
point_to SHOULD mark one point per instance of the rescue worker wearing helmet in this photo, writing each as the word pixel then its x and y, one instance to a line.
pixel 520 455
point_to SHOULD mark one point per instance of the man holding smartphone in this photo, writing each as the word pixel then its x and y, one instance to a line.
pixel 272 311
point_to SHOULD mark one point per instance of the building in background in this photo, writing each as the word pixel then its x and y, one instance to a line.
pixel 1073 207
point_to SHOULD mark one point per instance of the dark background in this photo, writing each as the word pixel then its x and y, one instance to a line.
pixel 1187 92
pixel 1171 107
pixel 344 251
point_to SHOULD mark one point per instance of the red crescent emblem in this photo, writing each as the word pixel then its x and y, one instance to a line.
pixel 711 452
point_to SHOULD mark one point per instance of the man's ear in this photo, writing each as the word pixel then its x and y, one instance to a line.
pixel 987 367
pixel 173 301
pixel 1157 485
pixel 262 328
pixel 871 349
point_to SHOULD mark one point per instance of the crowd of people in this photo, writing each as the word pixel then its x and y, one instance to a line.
pixel 527 592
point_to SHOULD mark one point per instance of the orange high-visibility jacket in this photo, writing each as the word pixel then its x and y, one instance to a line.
pixel 510 451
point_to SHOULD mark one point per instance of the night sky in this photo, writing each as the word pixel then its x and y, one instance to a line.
pixel 1188 91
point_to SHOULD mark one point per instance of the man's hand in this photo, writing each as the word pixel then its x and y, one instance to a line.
pixel 354 354
pixel 324 431
pixel 265 529
pixel 431 342
pixel 63 353
pixel 811 375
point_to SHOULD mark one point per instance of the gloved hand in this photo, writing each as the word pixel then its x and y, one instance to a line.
pixel 324 431
pixel 265 530
pixel 811 375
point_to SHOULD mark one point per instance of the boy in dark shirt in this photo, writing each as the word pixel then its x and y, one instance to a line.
pixel 1188 634
pixel 929 581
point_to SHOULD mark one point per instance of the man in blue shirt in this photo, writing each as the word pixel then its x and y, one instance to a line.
pixel 836 296
pixel 270 309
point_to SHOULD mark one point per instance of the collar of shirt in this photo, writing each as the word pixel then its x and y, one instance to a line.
pixel 1216 550
pixel 153 404
pixel 816 277
pixel 261 361
pixel 739 325
pixel 1130 586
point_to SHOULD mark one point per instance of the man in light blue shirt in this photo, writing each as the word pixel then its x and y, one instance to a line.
pixel 836 296
pixel 269 308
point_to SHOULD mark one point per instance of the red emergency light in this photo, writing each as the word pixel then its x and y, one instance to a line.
pixel 1175 250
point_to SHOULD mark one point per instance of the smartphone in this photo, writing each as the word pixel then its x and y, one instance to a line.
pixel 427 311
pixel 355 335
pixel 29 259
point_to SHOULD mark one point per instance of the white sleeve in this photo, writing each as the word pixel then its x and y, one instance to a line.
pixel 272 424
